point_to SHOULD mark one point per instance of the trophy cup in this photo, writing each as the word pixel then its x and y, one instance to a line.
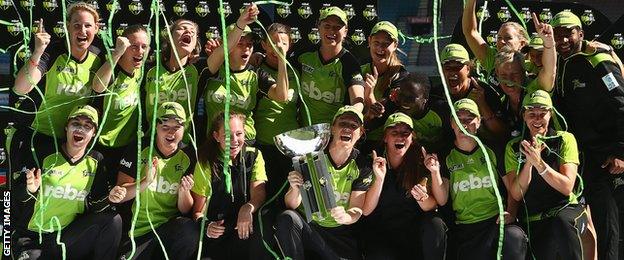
pixel 305 146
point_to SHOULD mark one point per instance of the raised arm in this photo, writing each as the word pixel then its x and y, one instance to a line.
pixel 103 75
pixel 30 74
pixel 547 74
pixel 470 28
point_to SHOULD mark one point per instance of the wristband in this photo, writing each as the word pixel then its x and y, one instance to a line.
pixel 236 24
pixel 544 171
pixel 33 63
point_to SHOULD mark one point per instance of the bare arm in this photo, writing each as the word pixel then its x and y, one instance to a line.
pixel 470 28
pixel 356 96
pixel 104 74
pixel 374 191
pixel 547 74
pixel 292 199
pixel 185 200
pixel 279 91
pixel 30 75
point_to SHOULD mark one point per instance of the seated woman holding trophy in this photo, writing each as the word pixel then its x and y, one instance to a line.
pixel 322 209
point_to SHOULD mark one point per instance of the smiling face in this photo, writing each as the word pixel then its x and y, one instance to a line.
pixel 508 35
pixel 470 122
pixel 411 98
pixel 346 130
pixel 79 132
pixel 398 139
pixel 237 136
pixel 381 46
pixel 82 30
pixel 568 40
pixel 185 37
pixel 332 31
pixel 139 45
pixel 242 51
pixel 511 76
pixel 537 119
pixel 457 77
pixel 169 134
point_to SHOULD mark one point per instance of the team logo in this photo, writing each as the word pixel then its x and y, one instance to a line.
pixel 348 8
pixel 491 38
pixel 23 54
pixel 304 10
pixel 94 4
pixel 113 4
pixel 370 13
pixel 617 41
pixel 525 14
pixel 103 30
pixel 358 37
pixel 456 167
pixel 180 8
pixel 314 36
pixel 50 5
pixel 202 9
pixel 5 4
pixel 27 4
pixel 59 29
pixel 546 15
pixel 227 10
pixel 483 14
pixel 135 7
pixel 213 33
pixel 577 84
pixel 122 27
pixel 588 17
pixel 283 11
pixel 15 28
pixel 295 35
pixel 503 14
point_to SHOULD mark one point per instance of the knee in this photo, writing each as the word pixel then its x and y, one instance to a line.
pixel 514 235
pixel 288 219
pixel 433 226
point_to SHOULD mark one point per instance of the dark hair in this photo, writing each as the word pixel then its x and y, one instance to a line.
pixel 412 169
pixel 133 29
pixel 419 80
pixel 210 150
pixel 166 48
pixel 276 28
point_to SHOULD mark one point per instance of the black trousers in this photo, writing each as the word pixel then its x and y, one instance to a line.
pixel 423 238
pixel 229 246
pixel 601 198
pixel 277 168
pixel 480 241
pixel 91 236
pixel 295 236
pixel 180 238
pixel 558 237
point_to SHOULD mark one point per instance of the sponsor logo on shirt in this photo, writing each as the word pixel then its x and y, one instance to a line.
pixel 66 192
pixel 577 84
pixel 472 183
pixel 307 68
pixel 86 173
pixel 77 89
pixel 315 93
pixel 66 69
pixel 163 186
pixel 610 81
pixel 126 102
pixel 173 95
pixel 236 100
pixel 125 163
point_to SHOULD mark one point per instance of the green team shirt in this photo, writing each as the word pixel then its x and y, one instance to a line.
pixel 160 198
pixel 325 85
pixel 172 87
pixel 67 84
pixel 67 189
pixel 540 196
pixel 428 129
pixel 122 102
pixel 356 175
pixel 471 187
pixel 244 88
pixel 274 117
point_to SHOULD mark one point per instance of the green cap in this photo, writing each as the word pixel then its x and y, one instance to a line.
pixel 539 98
pixel 454 52
pixel 85 110
pixel 566 19
pixel 536 43
pixel 171 110
pixel 349 109
pixel 468 105
pixel 386 27
pixel 397 118
pixel 333 10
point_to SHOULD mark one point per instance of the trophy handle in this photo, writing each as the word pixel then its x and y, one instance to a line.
pixel 325 179
pixel 309 203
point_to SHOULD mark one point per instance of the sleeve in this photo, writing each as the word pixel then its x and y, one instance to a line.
pixel 49 56
pixel 265 80
pixel 512 163
pixel 190 153
pixel 351 73
pixel 19 184
pixel 365 177
pixel 400 76
pixel 259 171
pixel 569 149
pixel 611 82
pixel 97 199
pixel 493 159
pixel 490 58
pixel 202 175
pixel 128 162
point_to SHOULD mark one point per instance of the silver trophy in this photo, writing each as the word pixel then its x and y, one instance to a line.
pixel 305 146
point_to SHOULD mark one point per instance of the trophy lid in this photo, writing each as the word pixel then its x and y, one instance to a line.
pixel 304 140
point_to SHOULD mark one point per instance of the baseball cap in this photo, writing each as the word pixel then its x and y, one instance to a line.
pixel 386 27
pixel 349 109
pixel 536 43
pixel 85 110
pixel 171 110
pixel 397 118
pixel 333 10
pixel 468 105
pixel 247 30
pixel 454 52
pixel 539 98
pixel 566 19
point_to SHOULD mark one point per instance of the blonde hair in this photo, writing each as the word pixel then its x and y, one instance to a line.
pixel 165 41
pixel 82 6
pixel 522 33
pixel 507 54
